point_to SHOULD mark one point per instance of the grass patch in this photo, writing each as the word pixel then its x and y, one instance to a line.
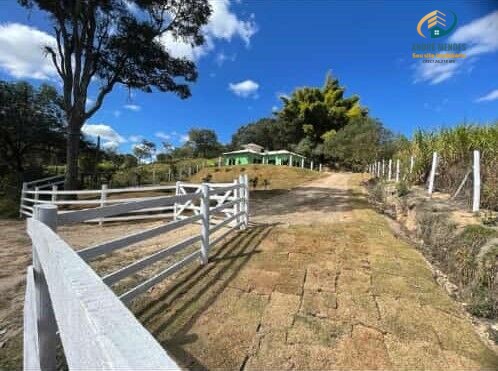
pixel 260 176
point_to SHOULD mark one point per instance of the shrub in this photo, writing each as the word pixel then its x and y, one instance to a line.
pixel 402 188
pixel 436 230
pixel 9 207
pixel 378 192
pixel 207 178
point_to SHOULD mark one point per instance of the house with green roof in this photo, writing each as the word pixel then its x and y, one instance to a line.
pixel 255 154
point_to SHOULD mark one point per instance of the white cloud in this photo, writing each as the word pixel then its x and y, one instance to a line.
pixel 108 134
pixel 221 58
pixel 116 113
pixel 481 37
pixel 22 54
pixel 274 109
pixel 163 135
pixel 492 95
pixel 223 24
pixel 135 138
pixel 133 107
pixel 245 88
pixel 184 138
pixel 181 49
pixel 112 145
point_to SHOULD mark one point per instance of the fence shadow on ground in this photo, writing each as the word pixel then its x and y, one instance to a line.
pixel 170 314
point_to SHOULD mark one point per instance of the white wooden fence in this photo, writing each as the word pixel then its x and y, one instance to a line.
pixel 95 197
pixel 66 298
pixel 377 169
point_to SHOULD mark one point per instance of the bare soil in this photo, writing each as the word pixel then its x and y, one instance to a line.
pixel 319 281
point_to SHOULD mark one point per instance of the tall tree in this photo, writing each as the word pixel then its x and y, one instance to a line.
pixel 144 150
pixel 263 132
pixel 118 42
pixel 31 127
pixel 310 112
pixel 354 146
pixel 204 142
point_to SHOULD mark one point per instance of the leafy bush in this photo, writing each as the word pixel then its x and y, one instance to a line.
pixel 378 192
pixel 9 208
pixel 402 188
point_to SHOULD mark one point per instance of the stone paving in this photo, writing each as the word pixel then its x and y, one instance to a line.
pixel 307 291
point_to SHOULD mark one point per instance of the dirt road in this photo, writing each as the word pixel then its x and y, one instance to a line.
pixel 319 282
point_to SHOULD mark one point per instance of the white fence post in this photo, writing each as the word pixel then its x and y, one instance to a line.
pixel 47 327
pixel 412 163
pixel 175 206
pixel 246 200
pixel 290 161
pixel 378 169
pixel 103 198
pixel 36 196
pixel 389 170
pixel 237 207
pixel 320 168
pixel 397 170
pixel 477 183
pixel 302 163
pixel 432 174
pixel 383 168
pixel 219 161
pixel 241 196
pixel 23 193
pixel 205 223
pixel 54 193
pixel 311 165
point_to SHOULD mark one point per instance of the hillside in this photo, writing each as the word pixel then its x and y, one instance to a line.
pixel 268 176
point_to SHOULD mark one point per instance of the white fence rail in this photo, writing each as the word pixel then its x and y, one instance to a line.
pixel 65 295
pixel 96 197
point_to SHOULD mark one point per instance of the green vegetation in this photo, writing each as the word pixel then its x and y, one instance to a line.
pixel 324 125
pixel 201 143
pixel 467 258
pixel 117 45
pixel 454 147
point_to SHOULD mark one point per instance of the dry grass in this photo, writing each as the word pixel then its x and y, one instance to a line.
pixel 277 177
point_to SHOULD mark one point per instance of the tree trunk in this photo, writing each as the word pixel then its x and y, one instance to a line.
pixel 72 153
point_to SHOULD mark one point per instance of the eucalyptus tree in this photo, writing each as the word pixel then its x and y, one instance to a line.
pixel 118 42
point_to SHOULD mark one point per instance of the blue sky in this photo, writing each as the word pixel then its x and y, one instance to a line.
pixel 258 50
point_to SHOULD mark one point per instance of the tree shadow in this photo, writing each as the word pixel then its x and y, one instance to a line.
pixel 170 315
